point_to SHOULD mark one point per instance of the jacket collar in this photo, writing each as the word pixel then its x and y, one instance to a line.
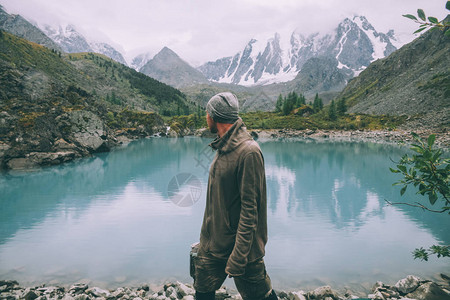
pixel 232 138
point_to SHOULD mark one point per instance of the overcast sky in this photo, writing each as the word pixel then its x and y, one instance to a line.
pixel 205 30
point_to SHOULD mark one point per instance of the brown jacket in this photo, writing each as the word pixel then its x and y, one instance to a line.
pixel 235 221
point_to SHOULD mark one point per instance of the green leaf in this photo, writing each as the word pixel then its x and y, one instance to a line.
pixel 432 197
pixel 420 30
pixel 402 168
pixel 421 254
pixel 421 14
pixel 415 135
pixel 447 5
pixel 447 33
pixel 431 139
pixel 403 190
pixel 433 20
pixel 394 171
pixel 410 17
pixel 417 149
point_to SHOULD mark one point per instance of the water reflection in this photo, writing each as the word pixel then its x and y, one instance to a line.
pixel 109 218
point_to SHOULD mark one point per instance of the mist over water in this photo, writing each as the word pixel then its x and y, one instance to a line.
pixel 110 219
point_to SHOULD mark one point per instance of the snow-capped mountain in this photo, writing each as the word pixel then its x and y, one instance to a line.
pixel 354 44
pixel 141 60
pixel 71 41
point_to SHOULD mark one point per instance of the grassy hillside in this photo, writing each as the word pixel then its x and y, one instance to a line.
pixel 73 104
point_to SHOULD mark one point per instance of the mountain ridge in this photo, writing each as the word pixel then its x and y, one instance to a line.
pixel 269 61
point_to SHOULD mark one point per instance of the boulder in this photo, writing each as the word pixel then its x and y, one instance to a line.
pixel 78 288
pixel 429 291
pixel 98 292
pixel 323 293
pixel 407 285
pixel 88 130
pixel 28 294
pixel 183 290
pixel 35 159
pixel 20 163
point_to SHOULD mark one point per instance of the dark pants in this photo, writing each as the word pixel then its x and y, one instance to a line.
pixel 210 274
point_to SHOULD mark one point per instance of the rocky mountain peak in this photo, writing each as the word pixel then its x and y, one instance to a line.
pixel 354 43
pixel 168 67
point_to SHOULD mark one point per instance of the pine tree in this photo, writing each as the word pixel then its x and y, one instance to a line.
pixel 332 111
pixel 301 100
pixel 341 107
pixel 279 104
pixel 318 104
pixel 289 103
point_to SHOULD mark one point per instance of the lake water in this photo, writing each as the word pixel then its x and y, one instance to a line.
pixel 111 220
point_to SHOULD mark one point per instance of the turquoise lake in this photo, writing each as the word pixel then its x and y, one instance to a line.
pixel 110 220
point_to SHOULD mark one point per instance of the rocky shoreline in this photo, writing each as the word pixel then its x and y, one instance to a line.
pixel 86 141
pixel 411 287
pixel 377 136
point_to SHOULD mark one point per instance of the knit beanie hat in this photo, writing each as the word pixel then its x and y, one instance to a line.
pixel 223 108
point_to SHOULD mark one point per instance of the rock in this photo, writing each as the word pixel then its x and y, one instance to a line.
pixel 322 293
pixel 28 294
pixel 118 293
pixel 376 296
pixel 204 132
pixel 408 284
pixel 445 277
pixel 20 163
pixel 3 148
pixel 98 292
pixel 78 288
pixel 81 297
pixel 35 159
pixel 171 293
pixel 68 297
pixel 145 287
pixel 6 285
pixel 297 295
pixel 183 290
pixel 254 135
pixel 385 290
pixel 88 130
pixel 429 291
pixel 62 144
pixel 173 134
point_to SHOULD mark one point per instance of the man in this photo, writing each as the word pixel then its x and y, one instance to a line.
pixel 234 230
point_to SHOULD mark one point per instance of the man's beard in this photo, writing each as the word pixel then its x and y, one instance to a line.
pixel 213 128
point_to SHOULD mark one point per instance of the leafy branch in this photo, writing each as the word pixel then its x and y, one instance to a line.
pixel 427 170
pixel 423 254
pixel 432 22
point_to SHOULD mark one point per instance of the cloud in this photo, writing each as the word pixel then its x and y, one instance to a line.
pixel 203 30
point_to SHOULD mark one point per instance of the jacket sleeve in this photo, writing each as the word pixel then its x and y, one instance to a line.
pixel 250 179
